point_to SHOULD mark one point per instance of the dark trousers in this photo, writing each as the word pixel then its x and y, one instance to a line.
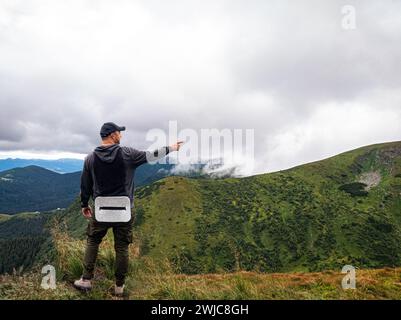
pixel 122 239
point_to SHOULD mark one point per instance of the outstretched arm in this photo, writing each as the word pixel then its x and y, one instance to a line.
pixel 141 157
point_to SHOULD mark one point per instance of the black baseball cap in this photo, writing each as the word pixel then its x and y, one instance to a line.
pixel 108 128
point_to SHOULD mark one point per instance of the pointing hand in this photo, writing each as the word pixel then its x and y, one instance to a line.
pixel 177 146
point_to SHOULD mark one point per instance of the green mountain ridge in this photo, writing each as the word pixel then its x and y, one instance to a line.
pixel 282 235
pixel 309 218
pixel 342 210
pixel 20 189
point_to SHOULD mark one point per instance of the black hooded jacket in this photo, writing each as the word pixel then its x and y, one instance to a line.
pixel 96 178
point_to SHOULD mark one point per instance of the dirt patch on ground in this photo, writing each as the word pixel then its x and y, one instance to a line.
pixel 371 179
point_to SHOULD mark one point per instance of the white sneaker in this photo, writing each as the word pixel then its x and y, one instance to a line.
pixel 82 284
pixel 119 291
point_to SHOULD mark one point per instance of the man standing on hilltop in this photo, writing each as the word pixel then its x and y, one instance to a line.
pixel 108 176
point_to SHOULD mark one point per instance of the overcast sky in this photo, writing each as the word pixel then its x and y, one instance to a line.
pixel 287 69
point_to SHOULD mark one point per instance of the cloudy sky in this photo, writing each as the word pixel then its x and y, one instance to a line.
pixel 309 87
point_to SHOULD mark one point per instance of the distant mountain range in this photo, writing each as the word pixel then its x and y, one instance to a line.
pixel 60 165
pixel 36 189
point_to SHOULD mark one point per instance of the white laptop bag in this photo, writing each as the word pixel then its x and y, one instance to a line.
pixel 112 209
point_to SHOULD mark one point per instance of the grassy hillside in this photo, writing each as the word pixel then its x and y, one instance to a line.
pixel 315 217
pixel 319 216
pixel 19 250
pixel 148 279
pixel 342 210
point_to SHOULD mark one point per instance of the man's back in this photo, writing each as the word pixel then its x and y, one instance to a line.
pixel 110 176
